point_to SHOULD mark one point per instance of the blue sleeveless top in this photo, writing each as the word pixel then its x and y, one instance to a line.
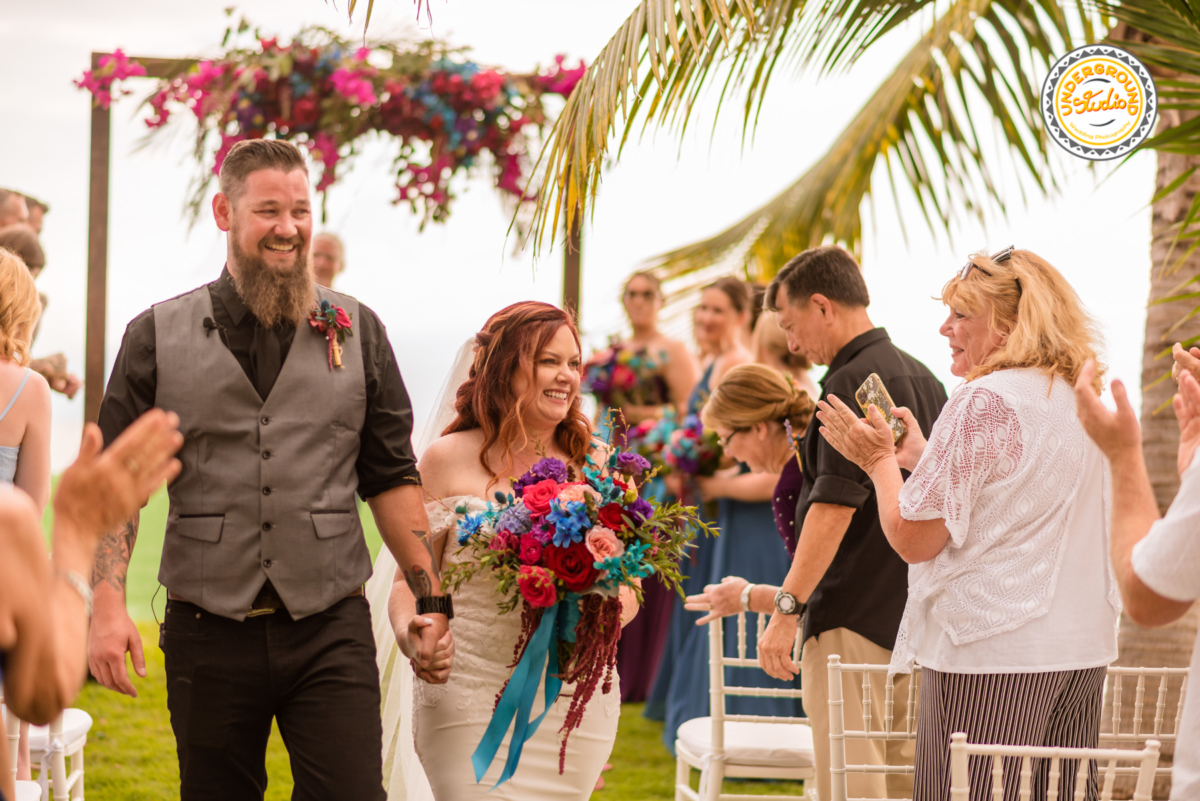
pixel 8 454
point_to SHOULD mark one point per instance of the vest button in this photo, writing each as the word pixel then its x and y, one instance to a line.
pixel 266 454
pixel 266 526
pixel 266 490
pixel 265 420
pixel 266 563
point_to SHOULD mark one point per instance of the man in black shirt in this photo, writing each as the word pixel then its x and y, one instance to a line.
pixel 288 409
pixel 845 575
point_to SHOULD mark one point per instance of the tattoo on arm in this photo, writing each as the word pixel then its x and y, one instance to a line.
pixel 418 581
pixel 113 552
pixel 427 541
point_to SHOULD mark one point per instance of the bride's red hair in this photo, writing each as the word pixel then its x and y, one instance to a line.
pixel 507 346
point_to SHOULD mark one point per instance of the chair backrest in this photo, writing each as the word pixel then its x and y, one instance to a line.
pixel 12 729
pixel 876 724
pixel 719 688
pixel 960 787
pixel 1127 715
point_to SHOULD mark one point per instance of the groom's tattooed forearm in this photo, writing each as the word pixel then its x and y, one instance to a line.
pixel 418 581
pixel 424 538
pixel 113 552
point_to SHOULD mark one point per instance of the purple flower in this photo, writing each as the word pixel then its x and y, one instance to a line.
pixel 543 532
pixel 515 519
pixel 640 511
pixel 543 469
pixel 632 464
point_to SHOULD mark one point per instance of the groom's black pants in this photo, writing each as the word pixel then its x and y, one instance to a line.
pixel 227 680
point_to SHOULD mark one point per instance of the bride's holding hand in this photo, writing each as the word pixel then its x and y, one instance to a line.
pixel 519 404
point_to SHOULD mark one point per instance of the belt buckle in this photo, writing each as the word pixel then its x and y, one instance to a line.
pixel 260 612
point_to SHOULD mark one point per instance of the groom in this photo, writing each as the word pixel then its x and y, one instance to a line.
pixel 264 559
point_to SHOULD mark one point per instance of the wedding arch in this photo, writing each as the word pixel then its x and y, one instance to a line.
pixel 447 115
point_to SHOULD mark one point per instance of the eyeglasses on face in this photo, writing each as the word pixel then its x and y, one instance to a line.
pixel 725 440
pixel 1003 255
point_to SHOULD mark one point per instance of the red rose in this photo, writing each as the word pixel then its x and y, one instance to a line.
pixel 343 319
pixel 537 497
pixel 537 586
pixel 530 549
pixel 573 565
pixel 612 516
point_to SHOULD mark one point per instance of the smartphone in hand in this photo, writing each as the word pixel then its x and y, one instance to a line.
pixel 874 393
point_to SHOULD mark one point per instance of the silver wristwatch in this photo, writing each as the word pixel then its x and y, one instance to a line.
pixel 787 604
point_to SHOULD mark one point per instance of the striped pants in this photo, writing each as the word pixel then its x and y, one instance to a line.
pixel 1043 709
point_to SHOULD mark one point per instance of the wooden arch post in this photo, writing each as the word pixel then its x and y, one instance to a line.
pixel 97 278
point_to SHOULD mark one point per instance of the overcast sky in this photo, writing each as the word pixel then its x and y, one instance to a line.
pixel 435 288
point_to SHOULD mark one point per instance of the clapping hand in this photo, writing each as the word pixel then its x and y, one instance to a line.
pixel 102 489
pixel 864 442
pixel 1185 361
pixel 718 600
pixel 1187 412
pixel 1115 433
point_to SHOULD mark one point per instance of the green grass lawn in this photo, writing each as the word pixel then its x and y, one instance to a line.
pixel 131 750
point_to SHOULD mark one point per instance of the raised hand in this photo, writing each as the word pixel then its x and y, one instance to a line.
pixel 1187 412
pixel 864 442
pixel 1115 433
pixel 1185 361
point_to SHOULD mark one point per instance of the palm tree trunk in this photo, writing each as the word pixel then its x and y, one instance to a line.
pixel 1169 646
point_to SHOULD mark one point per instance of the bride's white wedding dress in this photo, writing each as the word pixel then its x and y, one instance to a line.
pixel 445 723
pixel 450 719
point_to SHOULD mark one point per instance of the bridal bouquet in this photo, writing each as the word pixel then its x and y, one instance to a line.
pixel 692 450
pixel 620 376
pixel 560 546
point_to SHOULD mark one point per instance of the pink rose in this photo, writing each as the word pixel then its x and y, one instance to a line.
pixel 503 541
pixel 537 497
pixel 604 543
pixel 577 492
pixel 537 586
pixel 530 549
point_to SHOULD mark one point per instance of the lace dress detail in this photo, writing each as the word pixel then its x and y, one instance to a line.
pixel 1003 467
pixel 449 720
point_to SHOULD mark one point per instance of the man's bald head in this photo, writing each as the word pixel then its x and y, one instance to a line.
pixel 13 209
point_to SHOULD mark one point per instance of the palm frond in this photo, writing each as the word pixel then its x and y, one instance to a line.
pixel 919 124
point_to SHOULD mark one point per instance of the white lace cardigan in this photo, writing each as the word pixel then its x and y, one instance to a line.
pixel 1002 467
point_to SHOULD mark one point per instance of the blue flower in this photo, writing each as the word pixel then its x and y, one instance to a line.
pixel 469 526
pixel 571 522
pixel 631 562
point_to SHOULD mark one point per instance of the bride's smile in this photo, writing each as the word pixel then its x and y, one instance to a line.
pixel 556 377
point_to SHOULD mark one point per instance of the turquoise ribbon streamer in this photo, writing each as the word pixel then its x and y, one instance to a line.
pixel 516 704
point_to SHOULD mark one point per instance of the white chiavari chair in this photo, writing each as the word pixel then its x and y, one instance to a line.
pixel 1146 760
pixel 26 791
pixel 889 729
pixel 52 746
pixel 728 746
pixel 1129 724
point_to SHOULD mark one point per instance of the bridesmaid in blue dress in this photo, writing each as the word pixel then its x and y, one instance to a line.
pixel 667 387
pixel 751 410
pixel 718 320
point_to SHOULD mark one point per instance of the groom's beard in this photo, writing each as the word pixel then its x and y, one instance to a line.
pixel 274 295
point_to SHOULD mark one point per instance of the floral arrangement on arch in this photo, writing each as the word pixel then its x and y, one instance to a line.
pixel 328 96
pixel 560 545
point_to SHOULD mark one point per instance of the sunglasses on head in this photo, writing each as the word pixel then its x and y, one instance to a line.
pixel 1003 255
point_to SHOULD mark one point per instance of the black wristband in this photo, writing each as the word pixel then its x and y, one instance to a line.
pixel 436 605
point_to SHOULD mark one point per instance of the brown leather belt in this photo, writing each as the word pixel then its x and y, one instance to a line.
pixel 267 602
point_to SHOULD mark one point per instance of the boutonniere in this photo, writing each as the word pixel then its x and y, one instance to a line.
pixel 335 324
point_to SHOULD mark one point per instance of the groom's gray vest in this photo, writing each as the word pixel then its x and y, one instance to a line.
pixel 267 488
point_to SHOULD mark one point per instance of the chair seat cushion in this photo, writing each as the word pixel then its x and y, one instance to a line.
pixel 76 724
pixel 769 745
pixel 29 791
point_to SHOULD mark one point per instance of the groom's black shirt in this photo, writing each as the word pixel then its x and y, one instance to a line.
pixel 385 457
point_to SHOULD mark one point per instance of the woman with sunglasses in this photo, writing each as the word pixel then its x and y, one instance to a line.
pixel 1011 602
pixel 664 387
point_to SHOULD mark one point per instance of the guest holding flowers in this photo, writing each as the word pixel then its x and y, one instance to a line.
pixel 1006 486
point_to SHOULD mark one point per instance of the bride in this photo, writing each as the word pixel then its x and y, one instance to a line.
pixel 519 402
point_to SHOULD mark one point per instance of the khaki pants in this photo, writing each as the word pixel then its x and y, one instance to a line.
pixel 814 678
